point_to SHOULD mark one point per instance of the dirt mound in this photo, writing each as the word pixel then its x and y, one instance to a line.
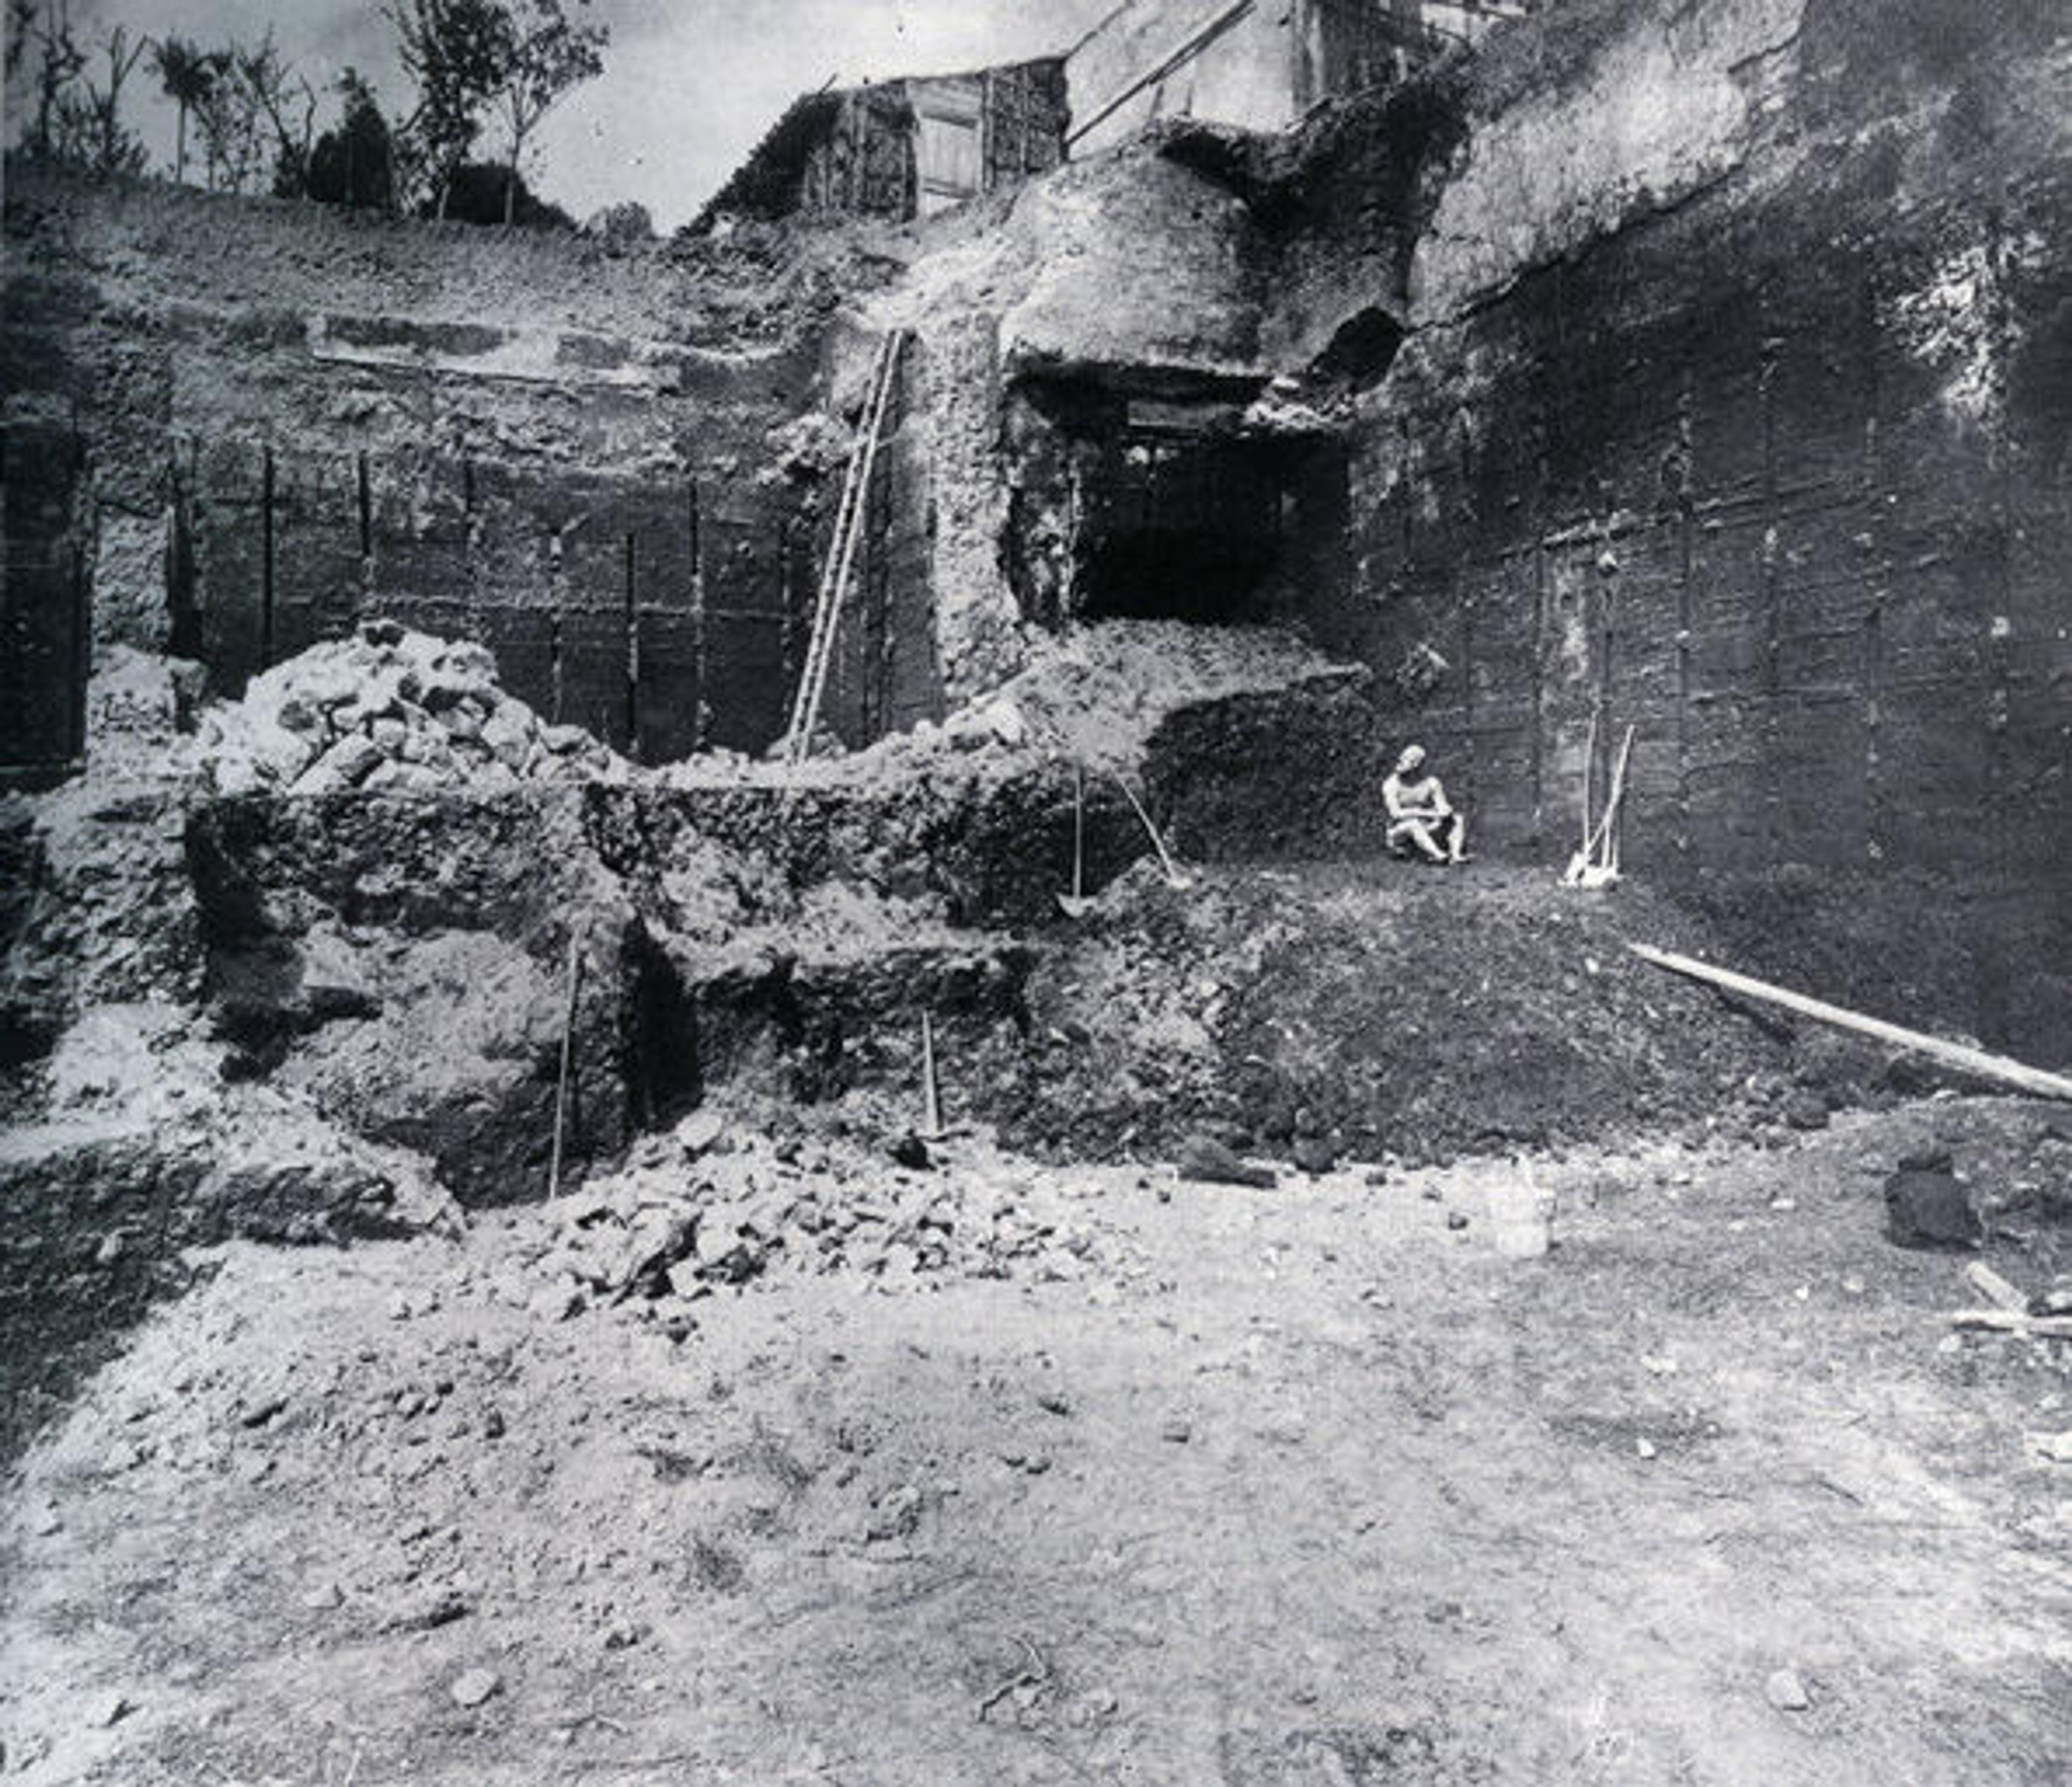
pixel 1098 694
pixel 391 711
pixel 1383 1011
pixel 1101 693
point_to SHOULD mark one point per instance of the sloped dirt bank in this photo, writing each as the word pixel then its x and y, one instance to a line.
pixel 1377 1007
pixel 351 909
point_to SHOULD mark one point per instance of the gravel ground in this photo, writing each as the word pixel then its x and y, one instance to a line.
pixel 1312 1485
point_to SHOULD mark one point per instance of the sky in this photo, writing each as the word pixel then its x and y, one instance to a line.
pixel 688 88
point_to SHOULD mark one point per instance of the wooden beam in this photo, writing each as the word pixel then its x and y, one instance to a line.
pixel 2033 1081
pixel 1994 1289
pixel 1217 27
pixel 266 560
pixel 2009 1321
pixel 574 976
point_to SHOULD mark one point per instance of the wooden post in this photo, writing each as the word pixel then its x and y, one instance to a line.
pixel 1772 617
pixel 266 559
pixel 568 1047
pixel 1686 658
pixel 554 652
pixel 632 655
pixel 364 491
pixel 1079 831
pixel 82 651
pixel 699 724
pixel 931 1095
pixel 2033 1081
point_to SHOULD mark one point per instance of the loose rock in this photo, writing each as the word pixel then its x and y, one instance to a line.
pixel 1206 1161
pixel 1929 1209
pixel 476 1687
pixel 1786 1692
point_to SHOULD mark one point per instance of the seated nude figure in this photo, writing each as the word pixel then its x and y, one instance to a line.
pixel 1419 816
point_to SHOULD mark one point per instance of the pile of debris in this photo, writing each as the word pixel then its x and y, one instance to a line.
pixel 707 1207
pixel 390 710
pixel 1097 696
pixel 1103 693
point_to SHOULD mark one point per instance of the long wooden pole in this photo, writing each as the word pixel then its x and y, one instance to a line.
pixel 1613 828
pixel 2032 1080
pixel 931 1095
pixel 1187 52
pixel 857 488
pixel 1079 831
pixel 568 1048
pixel 1589 780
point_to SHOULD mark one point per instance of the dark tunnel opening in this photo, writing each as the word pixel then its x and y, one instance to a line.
pixel 1177 529
pixel 1155 507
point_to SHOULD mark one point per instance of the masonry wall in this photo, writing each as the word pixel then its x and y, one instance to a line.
pixel 234 427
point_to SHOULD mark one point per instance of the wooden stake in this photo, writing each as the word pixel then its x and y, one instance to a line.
pixel 2032 1080
pixel 1078 832
pixel 568 1048
pixel 931 1094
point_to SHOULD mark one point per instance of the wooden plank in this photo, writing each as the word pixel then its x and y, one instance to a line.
pixel 1996 1290
pixel 2031 1080
pixel 2010 1321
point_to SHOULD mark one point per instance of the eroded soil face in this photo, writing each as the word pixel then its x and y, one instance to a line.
pixel 1304 1485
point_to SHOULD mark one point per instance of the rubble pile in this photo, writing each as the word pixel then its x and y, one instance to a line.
pixel 1098 695
pixel 706 1207
pixel 390 710
pixel 1101 693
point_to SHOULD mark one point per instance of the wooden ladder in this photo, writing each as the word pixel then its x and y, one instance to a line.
pixel 841 554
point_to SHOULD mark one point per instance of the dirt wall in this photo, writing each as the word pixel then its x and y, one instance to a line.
pixel 1733 409
pixel 1128 271
pixel 235 425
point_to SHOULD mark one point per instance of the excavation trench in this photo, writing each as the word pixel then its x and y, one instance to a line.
pixel 384 992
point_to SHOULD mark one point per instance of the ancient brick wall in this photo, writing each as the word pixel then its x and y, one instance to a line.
pixel 251 423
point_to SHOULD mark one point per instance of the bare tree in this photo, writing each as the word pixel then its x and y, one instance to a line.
pixel 459 54
pixel 228 122
pixel 550 55
pixel 286 104
pixel 58 61
pixel 256 104
pixel 90 133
